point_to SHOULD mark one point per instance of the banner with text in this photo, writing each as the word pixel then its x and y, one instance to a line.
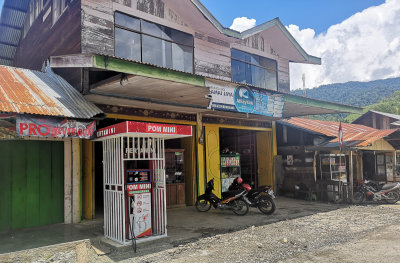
pixel 55 128
pixel 243 99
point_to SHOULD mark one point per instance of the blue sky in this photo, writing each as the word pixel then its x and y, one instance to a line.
pixel 315 14
pixel 357 40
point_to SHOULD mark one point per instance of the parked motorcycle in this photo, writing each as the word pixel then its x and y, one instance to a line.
pixel 366 192
pixel 262 197
pixel 232 200
pixel 382 186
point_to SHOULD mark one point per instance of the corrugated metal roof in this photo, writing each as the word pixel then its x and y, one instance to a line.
pixel 44 93
pixel 365 138
pixel 11 26
pixel 328 128
pixel 390 115
pixel 353 134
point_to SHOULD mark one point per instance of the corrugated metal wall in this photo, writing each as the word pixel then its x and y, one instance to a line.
pixel 31 183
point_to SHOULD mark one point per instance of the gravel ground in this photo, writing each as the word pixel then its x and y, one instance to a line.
pixel 285 241
pixel 342 235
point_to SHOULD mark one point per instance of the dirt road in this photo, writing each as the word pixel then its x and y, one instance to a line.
pixel 353 234
pixel 348 234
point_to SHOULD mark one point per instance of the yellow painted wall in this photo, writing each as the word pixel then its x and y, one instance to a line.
pixel 379 145
pixel 87 179
pixel 265 158
pixel 213 157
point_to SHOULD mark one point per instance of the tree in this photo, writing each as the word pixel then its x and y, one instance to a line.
pixel 388 105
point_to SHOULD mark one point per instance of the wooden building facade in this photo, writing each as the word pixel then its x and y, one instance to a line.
pixel 172 62
pixel 311 155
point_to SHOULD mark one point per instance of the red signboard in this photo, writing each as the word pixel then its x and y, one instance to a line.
pixel 55 128
pixel 146 128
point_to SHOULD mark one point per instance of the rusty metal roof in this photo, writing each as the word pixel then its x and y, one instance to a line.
pixel 328 128
pixel 359 135
pixel 26 91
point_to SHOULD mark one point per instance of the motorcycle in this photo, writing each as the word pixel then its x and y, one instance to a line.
pixel 262 197
pixel 382 186
pixel 366 192
pixel 232 200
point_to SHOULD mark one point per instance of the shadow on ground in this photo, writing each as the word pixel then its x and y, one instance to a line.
pixel 184 225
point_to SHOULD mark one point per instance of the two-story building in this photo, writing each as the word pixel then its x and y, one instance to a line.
pixel 169 62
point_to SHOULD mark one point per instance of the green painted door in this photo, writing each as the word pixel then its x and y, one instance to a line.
pixel 31 183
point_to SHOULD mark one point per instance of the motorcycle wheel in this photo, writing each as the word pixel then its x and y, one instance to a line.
pixel 203 205
pixel 358 198
pixel 393 197
pixel 266 205
pixel 240 207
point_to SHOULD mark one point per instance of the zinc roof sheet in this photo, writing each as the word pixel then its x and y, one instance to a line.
pixel 328 128
pixel 45 93
pixel 353 134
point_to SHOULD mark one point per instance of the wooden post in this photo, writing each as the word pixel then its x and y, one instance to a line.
pixel 201 175
pixel 351 177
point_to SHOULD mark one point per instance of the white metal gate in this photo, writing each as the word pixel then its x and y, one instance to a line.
pixel 116 151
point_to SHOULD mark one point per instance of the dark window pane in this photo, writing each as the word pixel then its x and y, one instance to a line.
pixel 152 50
pixel 271 79
pixel 127 21
pixel 127 44
pixel 238 54
pixel 249 79
pixel 181 38
pixel 238 71
pixel 255 60
pixel 182 57
pixel 152 29
pixel 167 55
pixel 268 63
pixel 157 52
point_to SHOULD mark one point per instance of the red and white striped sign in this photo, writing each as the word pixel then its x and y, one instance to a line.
pixel 145 128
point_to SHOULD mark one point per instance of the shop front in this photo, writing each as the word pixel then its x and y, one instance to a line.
pixel 40 170
pixel 40 137
pixel 134 172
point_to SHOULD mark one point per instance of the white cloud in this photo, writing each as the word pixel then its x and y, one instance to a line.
pixel 242 23
pixel 364 47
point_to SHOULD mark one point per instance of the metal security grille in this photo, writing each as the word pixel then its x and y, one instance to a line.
pixel 116 151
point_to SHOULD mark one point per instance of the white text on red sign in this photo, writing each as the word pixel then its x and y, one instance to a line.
pixel 132 187
pixel 161 129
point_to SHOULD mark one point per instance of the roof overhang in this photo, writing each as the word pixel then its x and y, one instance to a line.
pixel 33 92
pixel 138 84
pixel 308 59
pixel 11 26
pixel 144 129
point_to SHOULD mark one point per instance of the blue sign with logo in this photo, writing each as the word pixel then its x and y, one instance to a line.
pixel 244 99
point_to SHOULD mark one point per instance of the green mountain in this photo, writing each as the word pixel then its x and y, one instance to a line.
pixel 390 104
pixel 354 93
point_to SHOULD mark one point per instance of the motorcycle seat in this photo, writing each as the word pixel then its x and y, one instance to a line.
pixel 389 186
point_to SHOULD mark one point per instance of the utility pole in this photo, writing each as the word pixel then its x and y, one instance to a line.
pixel 303 77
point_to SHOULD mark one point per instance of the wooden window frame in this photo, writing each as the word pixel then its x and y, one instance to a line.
pixel 251 64
pixel 141 33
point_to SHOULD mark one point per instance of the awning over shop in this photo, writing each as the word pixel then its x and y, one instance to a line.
pixel 24 91
pixel 354 135
pixel 144 129
pixel 137 84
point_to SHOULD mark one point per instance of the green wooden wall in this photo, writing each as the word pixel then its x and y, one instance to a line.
pixel 31 183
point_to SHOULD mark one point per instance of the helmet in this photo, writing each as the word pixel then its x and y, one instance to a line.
pixel 239 180
pixel 247 187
